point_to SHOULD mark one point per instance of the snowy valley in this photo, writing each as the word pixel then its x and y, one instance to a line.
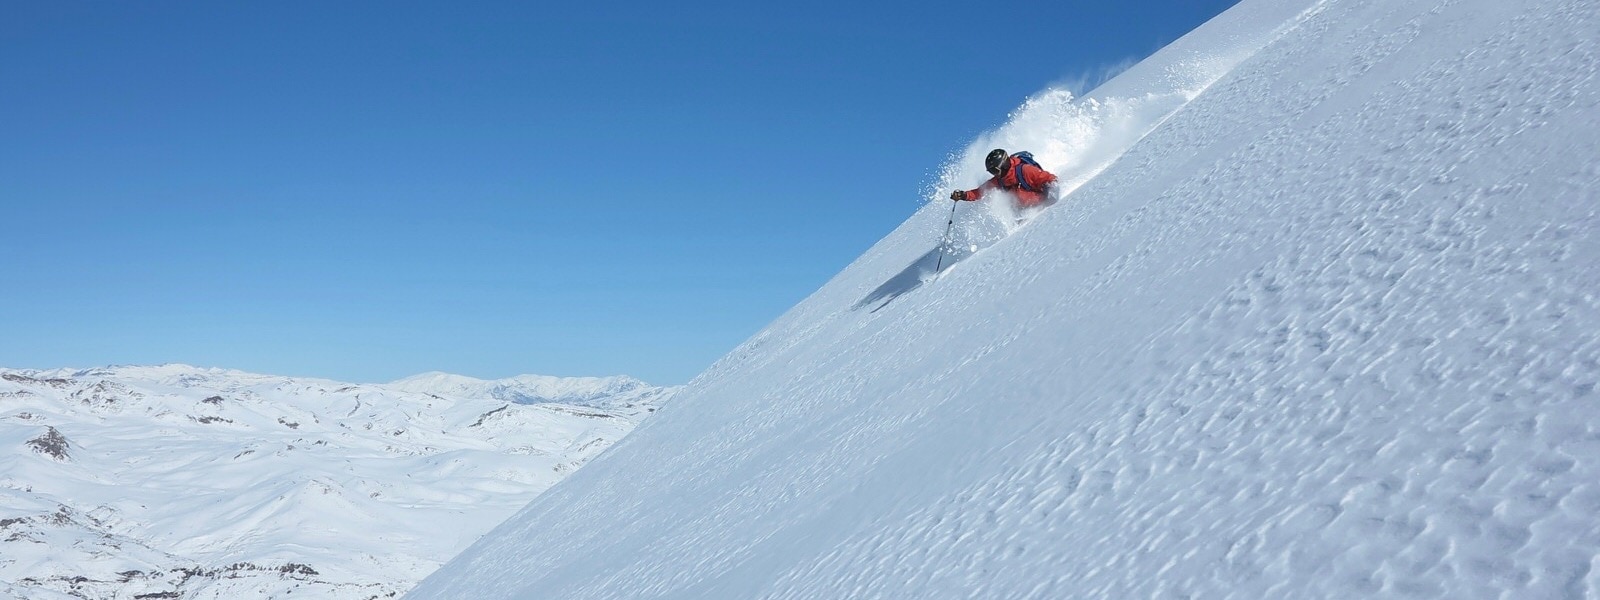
pixel 183 482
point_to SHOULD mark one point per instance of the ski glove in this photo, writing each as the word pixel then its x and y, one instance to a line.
pixel 958 195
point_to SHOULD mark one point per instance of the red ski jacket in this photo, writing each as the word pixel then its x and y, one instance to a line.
pixel 1037 178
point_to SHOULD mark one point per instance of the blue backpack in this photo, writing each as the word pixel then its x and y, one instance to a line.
pixel 1024 158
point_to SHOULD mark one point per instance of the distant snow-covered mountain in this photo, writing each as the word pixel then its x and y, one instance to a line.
pixel 182 482
pixel 609 392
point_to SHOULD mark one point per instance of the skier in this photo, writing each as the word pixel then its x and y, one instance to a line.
pixel 1015 173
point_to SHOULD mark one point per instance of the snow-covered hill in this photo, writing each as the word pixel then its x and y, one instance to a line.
pixel 1315 318
pixel 600 392
pixel 181 482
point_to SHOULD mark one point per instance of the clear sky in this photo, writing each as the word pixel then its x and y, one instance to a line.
pixel 368 190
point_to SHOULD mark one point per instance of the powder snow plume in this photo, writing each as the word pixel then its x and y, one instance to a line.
pixel 1077 137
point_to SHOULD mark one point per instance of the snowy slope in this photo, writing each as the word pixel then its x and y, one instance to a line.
pixel 1316 319
pixel 132 482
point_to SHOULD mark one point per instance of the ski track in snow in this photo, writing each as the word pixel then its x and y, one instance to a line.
pixel 1325 330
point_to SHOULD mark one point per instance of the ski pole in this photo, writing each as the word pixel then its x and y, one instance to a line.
pixel 945 241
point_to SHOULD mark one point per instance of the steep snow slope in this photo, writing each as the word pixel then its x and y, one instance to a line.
pixel 179 482
pixel 1317 320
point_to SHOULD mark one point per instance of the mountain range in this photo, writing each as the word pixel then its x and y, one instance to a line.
pixel 182 482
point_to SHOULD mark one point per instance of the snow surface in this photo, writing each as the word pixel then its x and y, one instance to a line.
pixel 1314 318
pixel 620 391
pixel 181 482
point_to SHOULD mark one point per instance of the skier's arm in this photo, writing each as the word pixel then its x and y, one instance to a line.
pixel 974 195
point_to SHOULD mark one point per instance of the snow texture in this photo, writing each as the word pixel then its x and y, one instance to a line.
pixel 1315 317
pixel 179 482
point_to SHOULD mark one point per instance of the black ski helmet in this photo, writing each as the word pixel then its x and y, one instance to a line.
pixel 992 163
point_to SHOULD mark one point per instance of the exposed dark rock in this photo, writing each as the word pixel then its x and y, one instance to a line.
pixel 24 379
pixel 298 569
pixel 51 443
pixel 486 415
pixel 579 413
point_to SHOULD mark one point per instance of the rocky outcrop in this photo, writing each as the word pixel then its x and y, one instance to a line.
pixel 52 444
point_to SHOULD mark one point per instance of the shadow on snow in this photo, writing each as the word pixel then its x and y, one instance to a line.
pixel 921 270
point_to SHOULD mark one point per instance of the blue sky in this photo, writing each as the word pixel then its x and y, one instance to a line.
pixel 368 190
